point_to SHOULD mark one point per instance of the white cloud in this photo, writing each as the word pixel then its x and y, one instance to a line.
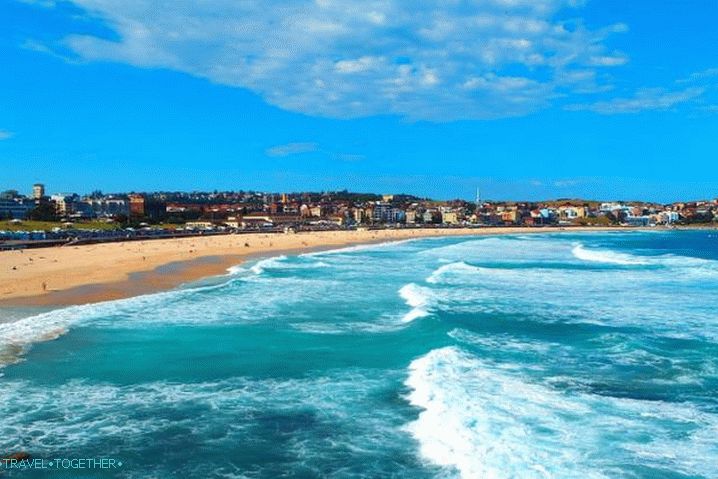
pixel 566 183
pixel 363 64
pixel 424 59
pixel 40 3
pixel 645 99
pixel 6 135
pixel 609 60
pixel 696 90
pixel 291 149
pixel 707 74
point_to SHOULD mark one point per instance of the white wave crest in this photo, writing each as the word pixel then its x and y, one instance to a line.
pixel 418 298
pixel 451 268
pixel 359 247
pixel 17 335
pixel 235 270
pixel 606 256
pixel 484 420
pixel 269 263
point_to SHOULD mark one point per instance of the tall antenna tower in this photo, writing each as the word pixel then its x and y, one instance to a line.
pixel 478 199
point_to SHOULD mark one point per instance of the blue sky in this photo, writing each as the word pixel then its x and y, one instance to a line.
pixel 527 99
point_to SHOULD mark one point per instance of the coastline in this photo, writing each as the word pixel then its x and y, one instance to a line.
pixel 62 276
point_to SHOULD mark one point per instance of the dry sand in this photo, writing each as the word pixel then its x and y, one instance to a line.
pixel 99 272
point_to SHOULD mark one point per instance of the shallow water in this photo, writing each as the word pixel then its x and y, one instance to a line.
pixel 574 355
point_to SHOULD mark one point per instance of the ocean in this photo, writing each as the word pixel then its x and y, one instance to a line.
pixel 591 355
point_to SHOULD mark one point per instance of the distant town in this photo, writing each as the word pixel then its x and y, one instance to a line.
pixel 63 217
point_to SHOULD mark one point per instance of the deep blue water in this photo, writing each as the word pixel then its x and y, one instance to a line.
pixel 559 356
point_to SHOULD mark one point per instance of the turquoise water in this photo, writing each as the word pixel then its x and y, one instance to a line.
pixel 559 356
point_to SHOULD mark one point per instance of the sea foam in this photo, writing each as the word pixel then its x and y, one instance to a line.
pixel 606 256
pixel 454 268
pixel 418 298
pixel 484 420
pixel 269 263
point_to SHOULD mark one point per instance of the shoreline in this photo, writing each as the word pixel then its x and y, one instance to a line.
pixel 64 276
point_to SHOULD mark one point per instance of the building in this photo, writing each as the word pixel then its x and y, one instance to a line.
pixel 155 210
pixel 15 208
pixel 360 216
pixel 385 213
pixel 642 220
pixel 615 208
pixel 318 211
pixel 267 221
pixel 452 217
pixel 668 217
pixel 232 222
pixel 199 225
pixel 137 205
pixel 381 212
pixel 397 216
pixel 64 203
pixel 10 195
pixel 510 215
pixel 431 216
pixel 571 213
pixel 38 191
pixel 108 207
pixel 542 216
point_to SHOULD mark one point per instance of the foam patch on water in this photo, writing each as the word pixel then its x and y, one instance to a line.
pixel 248 295
pixel 503 342
pixel 303 423
pixel 483 420
pixel 16 336
pixel 314 327
pixel 544 281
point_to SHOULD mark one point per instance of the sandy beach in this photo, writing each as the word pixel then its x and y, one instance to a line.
pixel 91 273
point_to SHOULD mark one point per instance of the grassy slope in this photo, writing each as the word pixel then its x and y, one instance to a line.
pixel 49 225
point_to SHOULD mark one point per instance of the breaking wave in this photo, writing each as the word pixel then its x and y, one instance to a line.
pixel 484 420
pixel 270 263
pixel 451 268
pixel 606 256
pixel 418 298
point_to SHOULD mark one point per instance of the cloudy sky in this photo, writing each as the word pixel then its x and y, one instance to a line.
pixel 523 98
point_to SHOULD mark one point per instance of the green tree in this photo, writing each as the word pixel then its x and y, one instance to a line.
pixel 43 212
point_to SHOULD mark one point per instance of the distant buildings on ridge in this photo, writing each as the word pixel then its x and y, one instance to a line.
pixel 249 209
